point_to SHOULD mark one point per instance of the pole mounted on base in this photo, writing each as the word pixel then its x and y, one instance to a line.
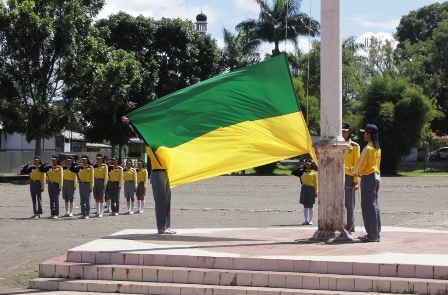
pixel 331 145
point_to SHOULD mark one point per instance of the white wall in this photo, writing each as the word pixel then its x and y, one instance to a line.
pixel 17 142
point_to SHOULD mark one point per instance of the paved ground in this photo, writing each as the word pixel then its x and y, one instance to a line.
pixel 222 202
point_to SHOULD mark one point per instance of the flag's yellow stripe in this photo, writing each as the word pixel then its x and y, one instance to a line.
pixel 241 146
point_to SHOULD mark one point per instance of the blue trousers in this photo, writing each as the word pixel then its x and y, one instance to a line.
pixel 370 207
pixel 36 196
pixel 84 198
pixel 54 193
pixel 349 204
pixel 162 198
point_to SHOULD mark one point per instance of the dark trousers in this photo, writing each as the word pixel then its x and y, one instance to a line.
pixel 84 198
pixel 370 207
pixel 36 196
pixel 54 193
pixel 349 204
pixel 114 194
pixel 162 198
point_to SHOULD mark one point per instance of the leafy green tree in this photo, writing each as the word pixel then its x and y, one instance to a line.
pixel 401 112
pixel 101 82
pixel 239 51
pixel 35 39
pixel 280 21
pixel 422 55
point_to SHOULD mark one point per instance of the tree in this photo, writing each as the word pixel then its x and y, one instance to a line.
pixel 239 51
pixel 280 21
pixel 35 39
pixel 423 56
pixel 101 82
pixel 401 112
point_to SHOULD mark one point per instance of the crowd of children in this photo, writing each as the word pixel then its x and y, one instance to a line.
pixel 104 178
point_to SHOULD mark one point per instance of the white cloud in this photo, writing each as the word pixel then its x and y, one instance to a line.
pixel 158 9
pixel 389 25
pixel 248 5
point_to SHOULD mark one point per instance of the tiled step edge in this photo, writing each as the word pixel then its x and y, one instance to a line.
pixel 224 277
pixel 165 288
pixel 264 264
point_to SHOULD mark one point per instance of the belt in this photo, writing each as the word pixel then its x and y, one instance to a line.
pixel 84 182
pixel 158 169
pixel 34 180
pixel 128 181
pixel 113 181
pixel 141 182
pixel 99 177
pixel 53 182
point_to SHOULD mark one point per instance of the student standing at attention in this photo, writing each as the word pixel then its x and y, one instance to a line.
pixel 369 169
pixel 37 184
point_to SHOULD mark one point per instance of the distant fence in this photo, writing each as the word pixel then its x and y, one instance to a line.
pixel 10 162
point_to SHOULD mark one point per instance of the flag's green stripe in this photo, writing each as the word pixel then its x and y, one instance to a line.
pixel 255 92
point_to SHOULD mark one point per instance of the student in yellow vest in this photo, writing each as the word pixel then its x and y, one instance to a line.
pixel 368 168
pixel 86 181
pixel 69 187
pixel 37 184
pixel 55 177
pixel 101 178
pixel 142 179
pixel 308 192
pixel 351 181
pixel 130 185
pixel 107 161
pixel 115 185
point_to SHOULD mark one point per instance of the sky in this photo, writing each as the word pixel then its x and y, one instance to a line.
pixel 360 18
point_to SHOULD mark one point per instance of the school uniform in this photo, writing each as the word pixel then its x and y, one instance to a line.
pixel 37 186
pixel 86 182
pixel 351 158
pixel 142 180
pixel 55 183
pixel 368 168
pixel 115 185
pixel 101 175
pixel 308 192
pixel 68 189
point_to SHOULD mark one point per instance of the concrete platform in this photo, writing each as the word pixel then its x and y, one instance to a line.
pixel 406 260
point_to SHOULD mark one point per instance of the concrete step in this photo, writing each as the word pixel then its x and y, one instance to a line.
pixel 127 287
pixel 59 268
pixel 405 270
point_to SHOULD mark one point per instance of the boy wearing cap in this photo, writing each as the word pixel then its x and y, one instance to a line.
pixel 368 168
pixel 308 192
pixel 37 184
pixel 69 186
pixel 351 181
pixel 55 182
pixel 130 185
pixel 86 177
pixel 101 178
pixel 115 185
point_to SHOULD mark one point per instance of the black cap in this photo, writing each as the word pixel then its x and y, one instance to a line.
pixel 140 161
pixel 84 157
pixel 55 157
pixel 69 158
pixel 99 155
pixel 308 161
pixel 128 161
pixel 370 128
pixel 36 157
pixel 114 158
pixel 346 126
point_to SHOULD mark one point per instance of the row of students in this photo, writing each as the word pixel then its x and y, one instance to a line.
pixel 104 178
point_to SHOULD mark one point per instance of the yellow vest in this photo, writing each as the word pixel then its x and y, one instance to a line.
pixel 56 175
pixel 142 176
pixel 369 162
pixel 130 175
pixel 309 177
pixel 37 175
pixel 87 175
pixel 351 159
pixel 102 171
pixel 117 175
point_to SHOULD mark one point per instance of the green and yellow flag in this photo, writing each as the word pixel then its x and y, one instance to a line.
pixel 239 120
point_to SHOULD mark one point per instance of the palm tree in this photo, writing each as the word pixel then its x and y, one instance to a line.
pixel 239 51
pixel 281 21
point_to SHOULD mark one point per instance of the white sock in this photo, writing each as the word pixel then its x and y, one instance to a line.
pixel 71 208
pixel 100 208
pixel 143 204
pixel 97 206
pixel 66 208
pixel 132 207
pixel 305 213
pixel 109 204
pixel 311 214
pixel 128 204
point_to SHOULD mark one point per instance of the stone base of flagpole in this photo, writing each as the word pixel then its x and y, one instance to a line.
pixel 331 194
